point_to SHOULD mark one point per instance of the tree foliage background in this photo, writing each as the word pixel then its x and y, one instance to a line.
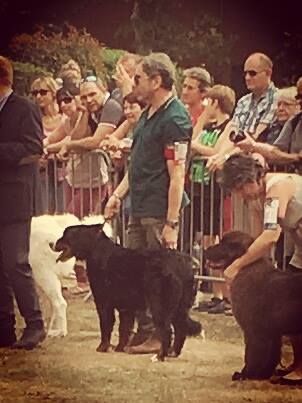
pixel 194 41
pixel 183 29
pixel 152 26
pixel 44 52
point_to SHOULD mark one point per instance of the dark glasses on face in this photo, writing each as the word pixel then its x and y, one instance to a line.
pixel 35 93
pixel 66 100
pixel 299 97
pixel 251 73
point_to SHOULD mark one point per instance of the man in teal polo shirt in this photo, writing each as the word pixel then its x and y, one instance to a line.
pixel 156 173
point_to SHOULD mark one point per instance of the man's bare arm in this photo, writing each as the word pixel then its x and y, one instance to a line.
pixel 92 142
pixel 176 189
pixel 123 188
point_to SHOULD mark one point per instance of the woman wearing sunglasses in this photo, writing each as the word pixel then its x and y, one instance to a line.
pixel 74 126
pixel 74 119
pixel 43 91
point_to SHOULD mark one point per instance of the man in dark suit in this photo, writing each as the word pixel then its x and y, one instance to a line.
pixel 20 147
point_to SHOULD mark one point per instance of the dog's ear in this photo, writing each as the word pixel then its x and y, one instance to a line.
pixel 216 252
pixel 97 227
pixel 237 240
pixel 237 248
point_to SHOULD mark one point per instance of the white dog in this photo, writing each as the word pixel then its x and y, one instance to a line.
pixel 47 272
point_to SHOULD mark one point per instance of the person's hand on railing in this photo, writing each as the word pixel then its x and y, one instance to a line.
pixel 248 144
pixel 110 143
pixel 112 207
pixel 43 161
pixel 117 159
pixel 104 144
pixel 63 154
pixel 113 143
pixel 216 162
pixel 125 145
pixel 51 148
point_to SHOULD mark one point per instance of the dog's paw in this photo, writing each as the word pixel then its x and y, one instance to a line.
pixel 56 333
pixel 103 348
pixel 120 348
pixel 238 376
pixel 156 358
pixel 172 353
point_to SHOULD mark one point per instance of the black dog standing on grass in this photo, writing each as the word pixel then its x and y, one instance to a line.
pixel 130 280
pixel 266 302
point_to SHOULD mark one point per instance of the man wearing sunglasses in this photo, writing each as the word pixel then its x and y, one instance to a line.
pixel 21 135
pixel 105 114
pixel 255 111
pixel 156 173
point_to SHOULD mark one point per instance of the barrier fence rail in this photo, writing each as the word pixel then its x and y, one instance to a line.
pixel 82 185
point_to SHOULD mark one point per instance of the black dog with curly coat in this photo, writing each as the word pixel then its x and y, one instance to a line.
pixel 130 280
pixel 266 302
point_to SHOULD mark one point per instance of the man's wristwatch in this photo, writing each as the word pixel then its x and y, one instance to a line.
pixel 174 224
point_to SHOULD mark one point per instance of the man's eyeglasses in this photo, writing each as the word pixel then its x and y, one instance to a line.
pixel 252 73
pixel 35 93
pixel 66 100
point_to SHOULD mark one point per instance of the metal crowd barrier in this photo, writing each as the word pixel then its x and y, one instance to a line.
pixel 81 185
pixel 75 186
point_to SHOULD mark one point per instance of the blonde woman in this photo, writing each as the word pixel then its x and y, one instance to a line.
pixel 43 91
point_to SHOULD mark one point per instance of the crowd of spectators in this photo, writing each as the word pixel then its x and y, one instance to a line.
pixel 88 132
pixel 147 134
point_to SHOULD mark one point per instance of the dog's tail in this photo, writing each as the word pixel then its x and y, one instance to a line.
pixel 194 328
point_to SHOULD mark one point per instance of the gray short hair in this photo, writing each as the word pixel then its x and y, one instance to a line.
pixel 201 75
pixel 288 94
pixel 161 64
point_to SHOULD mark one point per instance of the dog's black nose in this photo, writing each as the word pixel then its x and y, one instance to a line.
pixel 52 245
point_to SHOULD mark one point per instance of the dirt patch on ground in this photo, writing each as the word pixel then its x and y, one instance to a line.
pixel 70 370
